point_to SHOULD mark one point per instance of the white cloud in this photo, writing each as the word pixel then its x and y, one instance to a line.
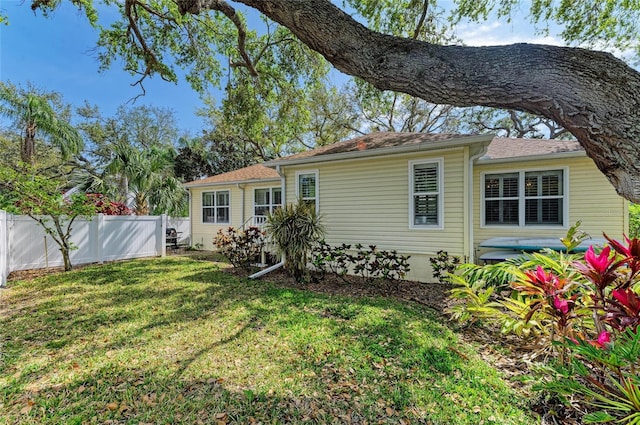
pixel 497 33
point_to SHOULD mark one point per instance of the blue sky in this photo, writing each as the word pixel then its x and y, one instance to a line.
pixel 56 54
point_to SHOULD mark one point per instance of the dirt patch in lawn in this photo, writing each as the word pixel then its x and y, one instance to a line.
pixel 34 273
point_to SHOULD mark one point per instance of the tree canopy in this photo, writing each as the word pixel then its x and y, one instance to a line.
pixel 592 94
pixel 130 159
pixel 25 191
pixel 39 114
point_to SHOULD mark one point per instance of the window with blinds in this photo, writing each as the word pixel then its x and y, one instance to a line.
pixel 426 196
pixel 543 197
pixel 307 188
pixel 524 198
pixel 501 198
pixel 216 207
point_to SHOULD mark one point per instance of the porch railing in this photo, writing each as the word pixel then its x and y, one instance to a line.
pixel 255 220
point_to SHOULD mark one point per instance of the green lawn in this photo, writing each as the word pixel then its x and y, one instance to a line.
pixel 176 340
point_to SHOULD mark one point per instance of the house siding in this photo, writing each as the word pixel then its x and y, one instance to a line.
pixel 367 202
pixel 591 199
pixel 204 233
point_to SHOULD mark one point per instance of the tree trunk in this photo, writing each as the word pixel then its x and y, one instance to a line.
pixel 66 258
pixel 28 147
pixel 141 204
pixel 592 94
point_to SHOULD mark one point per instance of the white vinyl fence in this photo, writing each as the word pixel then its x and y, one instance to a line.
pixel 24 244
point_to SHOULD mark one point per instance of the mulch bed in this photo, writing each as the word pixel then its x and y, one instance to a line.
pixel 433 295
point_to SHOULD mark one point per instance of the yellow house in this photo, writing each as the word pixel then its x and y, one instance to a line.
pixel 235 199
pixel 422 193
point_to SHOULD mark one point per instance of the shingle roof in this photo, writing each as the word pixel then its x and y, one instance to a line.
pixel 499 148
pixel 378 140
pixel 253 172
pixel 505 148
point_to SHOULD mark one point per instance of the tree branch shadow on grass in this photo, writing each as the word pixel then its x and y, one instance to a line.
pixel 348 348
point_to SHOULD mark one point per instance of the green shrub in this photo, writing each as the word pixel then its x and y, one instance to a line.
pixel 295 229
pixel 328 259
pixel 586 310
pixel 240 247
pixel 634 220
pixel 370 264
pixel 443 265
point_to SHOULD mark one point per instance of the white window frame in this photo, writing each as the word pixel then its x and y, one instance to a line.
pixel 215 206
pixel 271 204
pixel 522 199
pixel 316 199
pixel 439 162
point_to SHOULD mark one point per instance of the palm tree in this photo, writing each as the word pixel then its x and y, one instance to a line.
pixel 34 114
pixel 147 175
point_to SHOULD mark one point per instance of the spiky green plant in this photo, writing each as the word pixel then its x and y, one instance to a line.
pixel 295 228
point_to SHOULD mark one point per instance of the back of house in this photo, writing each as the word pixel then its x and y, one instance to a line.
pixel 423 193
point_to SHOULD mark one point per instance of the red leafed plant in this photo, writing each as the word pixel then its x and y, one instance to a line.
pixel 587 309
pixel 603 370
pixel 108 207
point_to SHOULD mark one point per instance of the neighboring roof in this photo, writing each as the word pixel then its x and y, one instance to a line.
pixel 510 148
pixel 252 173
pixel 380 144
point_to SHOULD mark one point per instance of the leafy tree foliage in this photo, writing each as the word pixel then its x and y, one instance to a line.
pixel 41 198
pixel 584 22
pixel 271 113
pixel 510 123
pixel 393 111
pixel 130 159
pixel 192 161
pixel 39 114
pixel 332 117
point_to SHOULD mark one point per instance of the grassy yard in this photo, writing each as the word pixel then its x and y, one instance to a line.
pixel 177 340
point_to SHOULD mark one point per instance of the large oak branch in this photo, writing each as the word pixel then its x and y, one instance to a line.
pixel 592 94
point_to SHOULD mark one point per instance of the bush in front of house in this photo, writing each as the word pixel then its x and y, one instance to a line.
pixel 332 259
pixel 368 263
pixel 295 229
pixel 240 247
pixel 443 265
pixel 583 312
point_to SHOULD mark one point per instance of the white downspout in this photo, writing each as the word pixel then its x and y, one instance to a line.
pixel 190 218
pixel 242 219
pixel 267 270
pixel 283 186
pixel 472 159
